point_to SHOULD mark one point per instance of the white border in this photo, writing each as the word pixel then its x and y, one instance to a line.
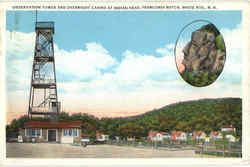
pixel 2 88
pixel 243 5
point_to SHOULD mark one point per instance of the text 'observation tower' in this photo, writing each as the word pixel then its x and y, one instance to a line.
pixel 43 100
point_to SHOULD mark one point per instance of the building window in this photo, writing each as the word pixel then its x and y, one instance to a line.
pixel 70 132
pixel 66 132
pixel 33 132
pixel 74 132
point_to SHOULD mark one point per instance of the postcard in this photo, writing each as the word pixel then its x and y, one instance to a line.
pixel 109 83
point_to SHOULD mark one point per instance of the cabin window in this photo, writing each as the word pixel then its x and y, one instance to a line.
pixel 33 132
pixel 74 132
pixel 70 132
pixel 66 132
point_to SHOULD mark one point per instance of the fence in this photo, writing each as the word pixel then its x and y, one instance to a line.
pixel 220 150
pixel 202 148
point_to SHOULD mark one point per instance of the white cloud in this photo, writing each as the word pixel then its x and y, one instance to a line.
pixel 20 47
pixel 137 68
pixel 134 73
pixel 167 50
pixel 20 42
pixel 232 37
pixel 85 64
pixel 137 80
pixel 233 42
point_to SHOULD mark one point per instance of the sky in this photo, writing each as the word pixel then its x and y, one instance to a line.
pixel 112 64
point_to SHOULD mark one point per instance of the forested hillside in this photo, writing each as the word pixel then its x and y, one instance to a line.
pixel 205 114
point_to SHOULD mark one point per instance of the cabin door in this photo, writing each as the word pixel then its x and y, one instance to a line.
pixel 51 135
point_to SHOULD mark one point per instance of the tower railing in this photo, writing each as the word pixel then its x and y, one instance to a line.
pixel 45 25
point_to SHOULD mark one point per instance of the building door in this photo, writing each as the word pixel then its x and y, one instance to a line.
pixel 51 135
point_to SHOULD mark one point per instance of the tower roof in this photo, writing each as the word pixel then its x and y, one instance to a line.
pixel 45 26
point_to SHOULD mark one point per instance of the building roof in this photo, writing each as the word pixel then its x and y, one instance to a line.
pixel 46 124
pixel 227 126
pixel 214 133
pixel 99 133
pixel 163 133
pixel 177 133
pixel 152 133
pixel 196 133
pixel 84 135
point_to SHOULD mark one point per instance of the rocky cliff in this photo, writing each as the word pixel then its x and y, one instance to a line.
pixel 206 51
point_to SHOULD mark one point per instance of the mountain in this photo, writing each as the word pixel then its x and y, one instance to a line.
pixel 204 114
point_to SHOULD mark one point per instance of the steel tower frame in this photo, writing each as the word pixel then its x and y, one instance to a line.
pixel 43 99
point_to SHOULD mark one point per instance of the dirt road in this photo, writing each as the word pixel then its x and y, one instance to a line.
pixel 49 150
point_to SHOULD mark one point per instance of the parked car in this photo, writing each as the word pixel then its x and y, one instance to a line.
pixel 84 141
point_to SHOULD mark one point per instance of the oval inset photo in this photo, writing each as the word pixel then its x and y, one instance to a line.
pixel 200 53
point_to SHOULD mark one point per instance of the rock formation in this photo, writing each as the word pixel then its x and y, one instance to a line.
pixel 205 52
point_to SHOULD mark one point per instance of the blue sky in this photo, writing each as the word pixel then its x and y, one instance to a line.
pixel 117 31
pixel 117 63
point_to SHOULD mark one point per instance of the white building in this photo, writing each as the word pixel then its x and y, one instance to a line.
pixel 231 138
